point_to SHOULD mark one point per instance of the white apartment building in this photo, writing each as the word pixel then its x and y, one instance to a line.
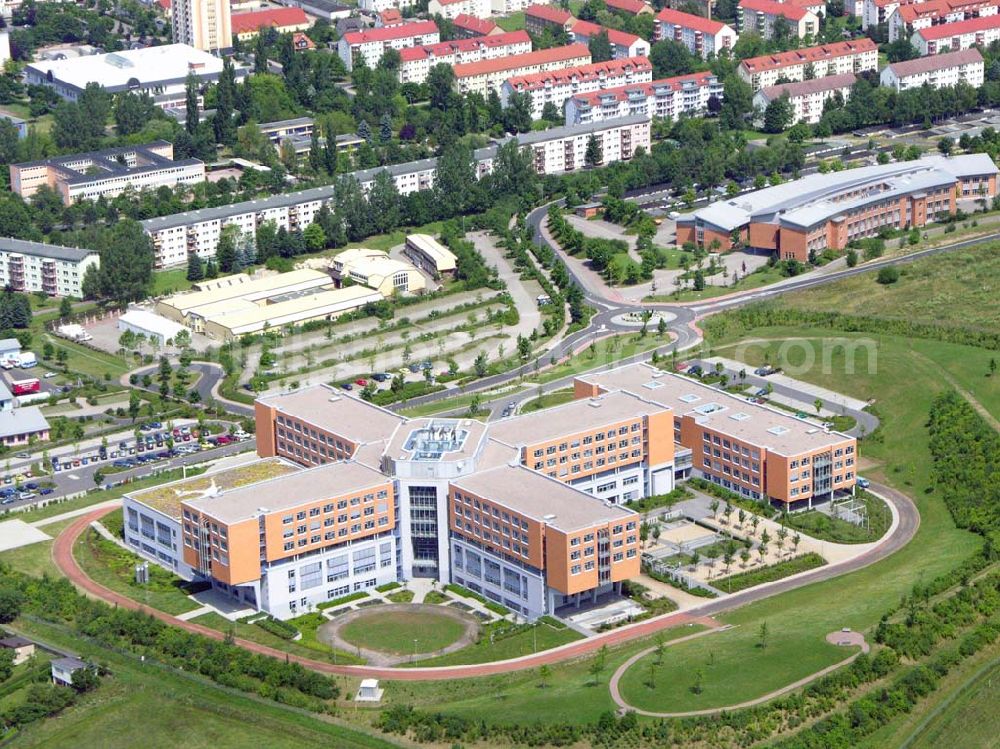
pixel 827 59
pixel 667 99
pixel 806 97
pixel 555 150
pixel 506 7
pixel 878 12
pixel 107 173
pixel 910 18
pixel 377 6
pixel 416 62
pixel 936 71
pixel 557 86
pixel 759 16
pixel 34 266
pixel 702 36
pixel 949 37
pixel 202 24
pixel 451 9
pixel 623 45
pixel 370 45
pixel 489 75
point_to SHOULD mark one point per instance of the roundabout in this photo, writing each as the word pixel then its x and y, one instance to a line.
pixel 392 634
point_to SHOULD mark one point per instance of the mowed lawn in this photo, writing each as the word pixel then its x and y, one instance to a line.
pixel 907 377
pixel 402 631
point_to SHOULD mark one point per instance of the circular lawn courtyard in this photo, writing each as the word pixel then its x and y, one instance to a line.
pixel 395 633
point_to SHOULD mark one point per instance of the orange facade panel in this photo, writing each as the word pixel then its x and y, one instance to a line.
pixel 660 438
pixel 496 528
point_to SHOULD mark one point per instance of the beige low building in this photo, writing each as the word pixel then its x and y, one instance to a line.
pixel 430 255
pixel 234 306
pixel 376 270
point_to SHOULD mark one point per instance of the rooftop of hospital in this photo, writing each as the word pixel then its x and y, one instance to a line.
pixel 542 498
pixel 574 417
pixel 167 498
pixel 280 493
pixel 240 285
pixel 434 440
pixel 778 431
pixel 334 410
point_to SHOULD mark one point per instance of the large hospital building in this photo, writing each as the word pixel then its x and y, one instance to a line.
pixel 529 511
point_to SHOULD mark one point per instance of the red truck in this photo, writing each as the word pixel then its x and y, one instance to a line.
pixel 24 387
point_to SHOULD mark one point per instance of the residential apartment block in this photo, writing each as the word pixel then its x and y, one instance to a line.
pixel 554 150
pixel 630 7
pixel 370 45
pixel 823 211
pixel 796 65
pixel 538 18
pixel 667 98
pixel 807 97
pixel 878 12
pixel 377 6
pixel 451 9
pixel 489 75
pixel 623 45
pixel 202 24
pixel 467 27
pixel 702 36
pixel 951 37
pixel 416 62
pixel 283 20
pixel 910 18
pixel 45 268
pixel 760 16
pixel 936 71
pixel 107 173
pixel 557 86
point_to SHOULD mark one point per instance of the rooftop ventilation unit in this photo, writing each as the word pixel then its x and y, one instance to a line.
pixel 739 416
pixel 778 430
pixel 689 398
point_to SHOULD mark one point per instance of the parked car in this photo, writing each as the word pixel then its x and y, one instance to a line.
pixel 31 485
pixel 763 371
pixel 863 482
pixel 380 377
pixel 49 375
pixel 26 495
pixel 347 386
pixel 361 382
pixel 46 491
pixel 695 370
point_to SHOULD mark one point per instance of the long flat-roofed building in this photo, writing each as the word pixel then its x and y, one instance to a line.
pixel 159 71
pixel 559 149
pixel 823 211
pixel 429 255
pixel 796 65
pixel 556 86
pixel 910 18
pixel 761 17
pixel 623 44
pixel 757 451
pixel 107 173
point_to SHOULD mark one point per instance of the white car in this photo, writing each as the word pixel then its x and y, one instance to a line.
pixel 48 375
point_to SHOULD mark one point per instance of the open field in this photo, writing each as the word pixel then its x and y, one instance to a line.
pixel 36 559
pixel 540 637
pixel 547 400
pixel 959 290
pixel 400 632
pixel 160 708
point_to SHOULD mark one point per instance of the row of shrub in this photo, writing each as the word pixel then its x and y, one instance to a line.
pixel 736 500
pixel 333 603
pixel 785 568
pixel 284 630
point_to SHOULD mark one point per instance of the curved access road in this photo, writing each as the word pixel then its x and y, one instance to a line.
pixel 906 528
pixel 855 639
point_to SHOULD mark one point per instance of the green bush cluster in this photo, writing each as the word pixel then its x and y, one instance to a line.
pixel 284 630
pixel 750 578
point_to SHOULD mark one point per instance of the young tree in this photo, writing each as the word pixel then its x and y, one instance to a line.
pixel 191 115
pixel 544 674
pixel 593 156
pixel 778 115
pixel 65 308
pixel 762 634
pixel 195 267
pixel 600 47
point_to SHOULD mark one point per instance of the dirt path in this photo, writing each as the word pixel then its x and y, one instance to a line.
pixel 978 407
pixel 845 639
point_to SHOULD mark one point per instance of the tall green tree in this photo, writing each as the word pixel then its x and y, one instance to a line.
pixel 455 188
pixel 126 264
pixel 225 104
pixel 192 118
pixel 778 115
pixel 592 156
pixel 600 47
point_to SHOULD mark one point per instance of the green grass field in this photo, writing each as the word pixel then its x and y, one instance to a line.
pixel 748 282
pixel 36 559
pixel 816 524
pixel 969 721
pixel 169 281
pixel 161 708
pixel 400 632
pixel 540 637
pixel 547 400
pixel 113 567
pixel 513 22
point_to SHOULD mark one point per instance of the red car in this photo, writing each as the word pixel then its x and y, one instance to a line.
pixel 361 381
pixel 225 439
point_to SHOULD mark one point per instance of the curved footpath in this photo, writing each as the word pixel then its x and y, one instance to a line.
pixel 834 638
pixel 906 528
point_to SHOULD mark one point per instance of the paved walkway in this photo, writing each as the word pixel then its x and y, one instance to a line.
pixel 62 554
pixel 845 639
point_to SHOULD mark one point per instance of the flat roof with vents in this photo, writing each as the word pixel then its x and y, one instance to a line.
pixel 765 426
